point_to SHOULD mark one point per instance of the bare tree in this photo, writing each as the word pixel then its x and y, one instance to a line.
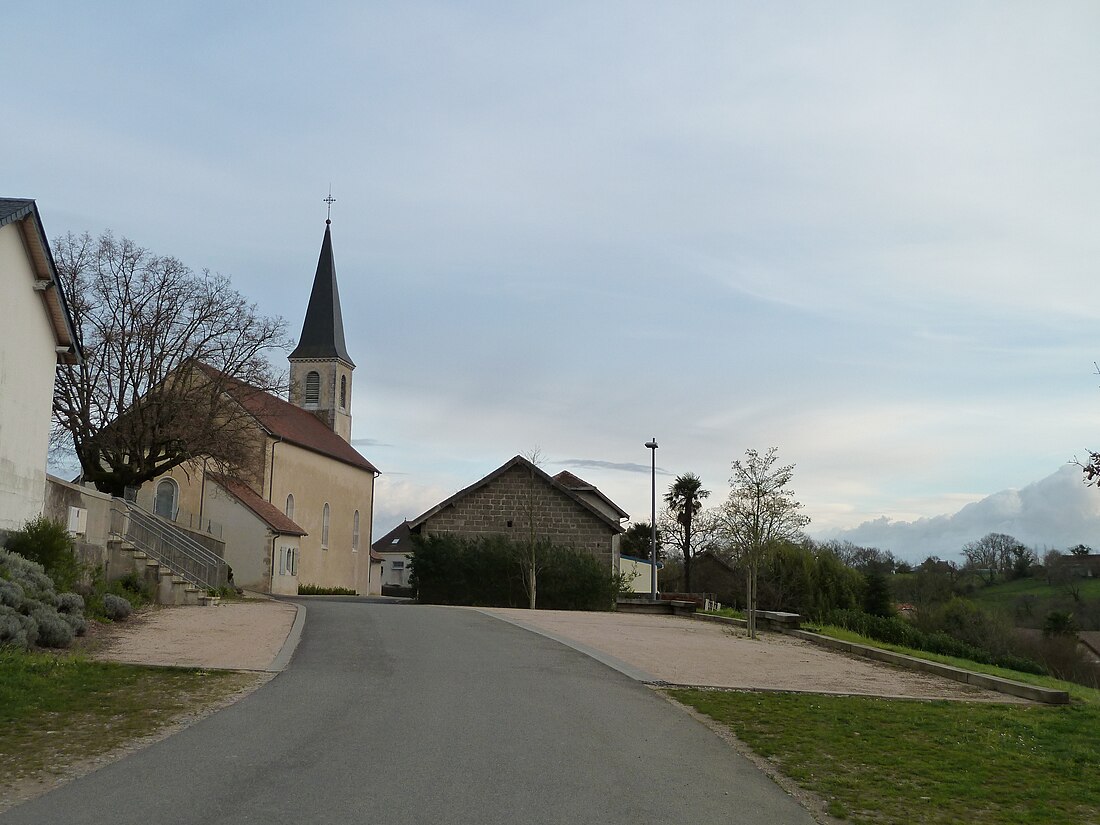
pixel 532 552
pixel 684 504
pixel 759 513
pixel 993 553
pixel 166 350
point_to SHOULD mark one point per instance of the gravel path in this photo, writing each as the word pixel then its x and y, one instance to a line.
pixel 683 651
pixel 245 635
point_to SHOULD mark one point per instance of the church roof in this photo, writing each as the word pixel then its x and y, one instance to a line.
pixel 267 512
pixel 323 330
pixel 290 423
pixel 25 212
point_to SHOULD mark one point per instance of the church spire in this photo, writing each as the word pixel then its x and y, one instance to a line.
pixel 320 367
pixel 323 330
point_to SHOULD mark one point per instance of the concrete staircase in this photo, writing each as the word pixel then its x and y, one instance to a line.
pixel 168 588
pixel 178 569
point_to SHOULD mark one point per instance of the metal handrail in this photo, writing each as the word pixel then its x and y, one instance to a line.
pixel 168 545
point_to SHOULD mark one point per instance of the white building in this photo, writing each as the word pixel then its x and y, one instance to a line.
pixel 36 334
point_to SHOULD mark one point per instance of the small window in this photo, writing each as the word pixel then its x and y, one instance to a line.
pixel 324 527
pixel 313 388
pixel 284 560
pixel 166 503
pixel 398 565
pixel 355 533
pixel 290 506
pixel 343 392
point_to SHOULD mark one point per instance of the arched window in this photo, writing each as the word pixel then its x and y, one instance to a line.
pixel 290 506
pixel 343 392
pixel 324 528
pixel 313 388
pixel 355 532
pixel 166 502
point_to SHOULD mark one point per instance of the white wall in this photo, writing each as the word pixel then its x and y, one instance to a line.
pixel 27 365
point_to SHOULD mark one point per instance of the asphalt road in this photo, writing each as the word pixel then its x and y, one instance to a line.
pixel 392 713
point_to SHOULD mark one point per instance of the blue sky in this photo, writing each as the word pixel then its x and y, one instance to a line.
pixel 865 233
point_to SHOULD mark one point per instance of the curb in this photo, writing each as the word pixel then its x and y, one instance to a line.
pixel 281 661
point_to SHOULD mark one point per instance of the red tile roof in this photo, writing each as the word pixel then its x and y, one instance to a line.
pixel 290 423
pixel 264 510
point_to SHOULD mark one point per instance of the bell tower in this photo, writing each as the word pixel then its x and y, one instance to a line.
pixel 320 367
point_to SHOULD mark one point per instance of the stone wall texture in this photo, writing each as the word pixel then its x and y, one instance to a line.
pixel 510 503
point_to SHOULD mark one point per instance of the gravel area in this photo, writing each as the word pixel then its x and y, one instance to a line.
pixel 683 651
pixel 245 635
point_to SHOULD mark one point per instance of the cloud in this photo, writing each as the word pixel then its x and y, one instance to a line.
pixel 1057 511
pixel 624 466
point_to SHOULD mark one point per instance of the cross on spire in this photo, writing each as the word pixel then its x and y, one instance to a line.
pixel 330 201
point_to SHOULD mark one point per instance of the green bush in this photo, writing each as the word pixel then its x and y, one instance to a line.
pixel 29 606
pixel 48 543
pixel 16 630
pixel 317 590
pixel 116 608
pixel 898 631
pixel 489 572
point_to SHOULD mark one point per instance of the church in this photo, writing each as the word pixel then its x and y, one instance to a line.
pixel 305 518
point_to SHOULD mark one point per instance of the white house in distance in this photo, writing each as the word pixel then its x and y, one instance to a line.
pixel 36 334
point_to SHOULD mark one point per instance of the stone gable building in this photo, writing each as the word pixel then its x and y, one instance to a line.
pixel 518 499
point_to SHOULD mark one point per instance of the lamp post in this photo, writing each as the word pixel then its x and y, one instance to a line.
pixel 652 445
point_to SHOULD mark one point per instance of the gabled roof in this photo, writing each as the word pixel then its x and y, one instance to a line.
pixel 579 485
pixel 323 330
pixel 397 540
pixel 264 510
pixel 290 423
pixel 499 471
pixel 25 212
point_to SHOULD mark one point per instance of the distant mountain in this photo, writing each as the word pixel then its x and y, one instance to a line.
pixel 1058 511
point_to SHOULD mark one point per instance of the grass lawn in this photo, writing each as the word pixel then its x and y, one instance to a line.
pixel 886 761
pixel 1005 595
pixel 56 710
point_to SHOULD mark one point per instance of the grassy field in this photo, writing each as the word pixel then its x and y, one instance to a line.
pixel 59 710
pixel 1006 595
pixel 880 761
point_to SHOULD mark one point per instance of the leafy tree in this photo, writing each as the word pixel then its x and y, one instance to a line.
pixel 1020 561
pixel 876 594
pixel 637 538
pixel 162 344
pixel 684 503
pixel 1080 550
pixel 760 512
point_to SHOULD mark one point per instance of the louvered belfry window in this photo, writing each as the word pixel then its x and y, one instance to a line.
pixel 313 388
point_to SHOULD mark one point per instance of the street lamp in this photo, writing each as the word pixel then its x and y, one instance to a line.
pixel 652 445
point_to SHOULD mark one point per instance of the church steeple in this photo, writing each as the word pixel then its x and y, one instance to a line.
pixel 320 367
pixel 323 330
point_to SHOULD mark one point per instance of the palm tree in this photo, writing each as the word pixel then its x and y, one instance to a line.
pixel 684 501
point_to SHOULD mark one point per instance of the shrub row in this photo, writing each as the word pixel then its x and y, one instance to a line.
pixel 898 631
pixel 490 571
